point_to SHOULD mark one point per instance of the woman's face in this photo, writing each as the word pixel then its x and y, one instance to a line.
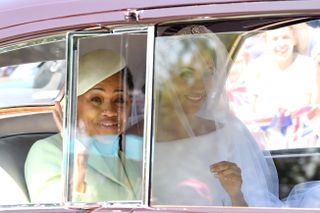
pixel 104 109
pixel 281 43
pixel 191 82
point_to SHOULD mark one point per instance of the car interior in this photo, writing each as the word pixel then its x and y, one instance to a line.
pixel 16 142
pixel 22 124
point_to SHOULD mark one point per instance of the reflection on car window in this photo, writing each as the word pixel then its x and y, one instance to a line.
pixel 203 155
pixel 31 84
pixel 227 129
pixel 108 145
pixel 32 75
pixel 273 87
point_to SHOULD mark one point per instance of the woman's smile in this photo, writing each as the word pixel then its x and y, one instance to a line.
pixel 108 124
pixel 282 50
pixel 196 97
pixel 104 109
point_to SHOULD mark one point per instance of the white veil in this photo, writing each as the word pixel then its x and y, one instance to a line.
pixel 304 195
pixel 183 150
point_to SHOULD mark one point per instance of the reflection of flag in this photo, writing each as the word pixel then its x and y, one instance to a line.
pixel 266 123
pixel 238 95
pixel 302 131
pixel 297 115
pixel 280 121
pixel 300 120
pixel 285 121
pixel 304 119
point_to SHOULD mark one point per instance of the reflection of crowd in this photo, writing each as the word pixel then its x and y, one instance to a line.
pixel 6 71
pixel 274 84
pixel 214 159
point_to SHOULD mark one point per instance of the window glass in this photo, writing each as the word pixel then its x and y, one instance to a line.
pixel 233 111
pixel 96 155
pixel 273 86
pixel 106 158
pixel 32 74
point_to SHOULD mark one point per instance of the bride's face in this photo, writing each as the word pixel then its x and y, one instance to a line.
pixel 192 81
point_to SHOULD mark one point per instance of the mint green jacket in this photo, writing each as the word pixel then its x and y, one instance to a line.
pixel 107 177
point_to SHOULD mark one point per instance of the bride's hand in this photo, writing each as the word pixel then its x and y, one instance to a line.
pixel 229 175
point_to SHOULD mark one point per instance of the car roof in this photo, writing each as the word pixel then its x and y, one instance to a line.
pixel 7 5
pixel 36 10
pixel 21 18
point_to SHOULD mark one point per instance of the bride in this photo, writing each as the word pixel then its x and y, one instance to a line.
pixel 203 155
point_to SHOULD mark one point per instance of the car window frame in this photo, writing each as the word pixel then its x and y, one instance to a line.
pixel 276 21
pixel 70 104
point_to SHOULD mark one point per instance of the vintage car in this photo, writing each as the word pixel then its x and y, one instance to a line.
pixel 255 112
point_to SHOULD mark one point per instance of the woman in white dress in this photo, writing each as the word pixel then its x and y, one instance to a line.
pixel 203 155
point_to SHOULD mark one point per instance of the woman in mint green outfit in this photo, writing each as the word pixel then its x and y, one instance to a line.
pixel 107 162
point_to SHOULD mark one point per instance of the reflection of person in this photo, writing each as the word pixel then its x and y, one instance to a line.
pixel 284 83
pixel 315 54
pixel 104 104
pixel 306 36
pixel 202 154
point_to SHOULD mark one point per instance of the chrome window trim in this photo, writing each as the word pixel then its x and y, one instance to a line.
pixel 148 118
pixel 33 42
pixel 68 121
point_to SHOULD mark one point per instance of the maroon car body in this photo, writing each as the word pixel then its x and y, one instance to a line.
pixel 23 20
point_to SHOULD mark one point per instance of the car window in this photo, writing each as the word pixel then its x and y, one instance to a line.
pixel 273 87
pixel 196 135
pixel 32 73
pixel 107 137
pixel 233 111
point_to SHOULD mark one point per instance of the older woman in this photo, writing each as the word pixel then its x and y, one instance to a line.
pixel 104 103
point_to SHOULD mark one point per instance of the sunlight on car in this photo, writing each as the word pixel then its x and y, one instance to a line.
pixel 31 83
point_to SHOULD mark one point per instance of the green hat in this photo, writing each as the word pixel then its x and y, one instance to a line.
pixel 97 65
